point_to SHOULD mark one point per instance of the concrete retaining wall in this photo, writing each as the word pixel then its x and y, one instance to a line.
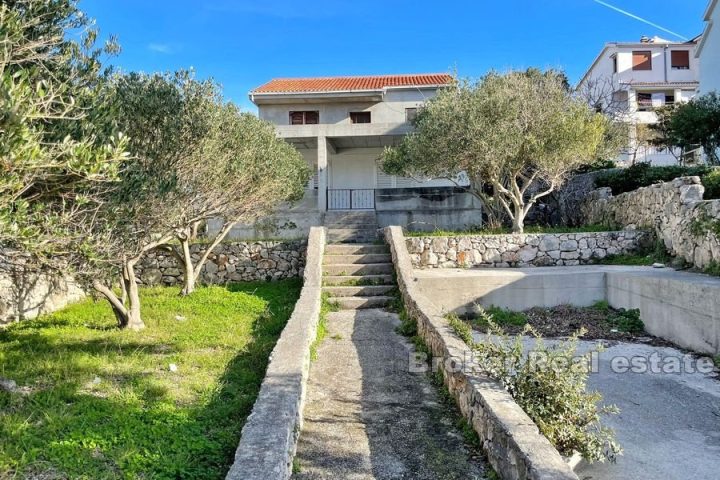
pixel 269 437
pixel 229 262
pixel 686 223
pixel 681 307
pixel 513 443
pixel 521 250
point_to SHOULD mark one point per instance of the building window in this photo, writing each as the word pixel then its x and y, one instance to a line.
pixel 359 117
pixel 305 118
pixel 614 63
pixel 644 101
pixel 669 99
pixel 642 60
pixel 410 114
pixel 680 59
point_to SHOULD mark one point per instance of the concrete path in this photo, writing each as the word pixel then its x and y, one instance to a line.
pixel 669 423
pixel 368 417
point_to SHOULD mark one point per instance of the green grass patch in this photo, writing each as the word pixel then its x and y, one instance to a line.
pixel 503 317
pixel 506 231
pixel 102 403
pixel 326 306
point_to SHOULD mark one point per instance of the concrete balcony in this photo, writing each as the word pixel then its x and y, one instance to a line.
pixel 343 130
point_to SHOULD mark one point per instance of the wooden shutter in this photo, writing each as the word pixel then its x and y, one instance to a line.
pixel 296 118
pixel 680 59
pixel 642 60
pixel 312 118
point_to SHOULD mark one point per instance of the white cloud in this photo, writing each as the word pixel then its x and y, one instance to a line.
pixel 160 48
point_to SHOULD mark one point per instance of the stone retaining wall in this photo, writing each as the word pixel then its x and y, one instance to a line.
pixel 675 210
pixel 27 295
pixel 514 446
pixel 229 262
pixel 269 438
pixel 521 250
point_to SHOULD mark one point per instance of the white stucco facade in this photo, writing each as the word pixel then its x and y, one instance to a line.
pixel 708 51
pixel 344 154
pixel 629 81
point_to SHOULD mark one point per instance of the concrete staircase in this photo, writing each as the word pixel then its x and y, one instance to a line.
pixel 351 226
pixel 358 275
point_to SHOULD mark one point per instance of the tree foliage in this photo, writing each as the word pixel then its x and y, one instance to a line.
pixel 691 125
pixel 77 194
pixel 50 177
pixel 516 137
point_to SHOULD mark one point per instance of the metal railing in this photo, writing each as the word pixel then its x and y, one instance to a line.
pixel 350 199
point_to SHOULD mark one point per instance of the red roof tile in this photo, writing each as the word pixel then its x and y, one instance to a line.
pixel 345 84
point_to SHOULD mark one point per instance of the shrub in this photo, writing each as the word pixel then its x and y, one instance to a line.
pixel 711 182
pixel 643 175
pixel 628 321
pixel 550 385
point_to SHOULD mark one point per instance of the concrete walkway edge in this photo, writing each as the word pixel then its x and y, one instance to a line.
pixel 269 438
pixel 515 447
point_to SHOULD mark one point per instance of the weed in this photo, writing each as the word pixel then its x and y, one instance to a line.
pixel 627 321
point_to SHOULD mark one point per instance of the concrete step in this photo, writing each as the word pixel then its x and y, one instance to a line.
pixel 359 224
pixel 358 280
pixel 351 303
pixel 364 258
pixel 360 291
pixel 355 249
pixel 343 233
pixel 358 269
pixel 347 215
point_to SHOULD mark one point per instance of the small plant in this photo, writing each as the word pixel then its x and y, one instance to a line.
pixel 326 306
pixel 711 182
pixel 550 385
pixel 501 316
pixel 628 321
pixel 601 305
pixel 713 268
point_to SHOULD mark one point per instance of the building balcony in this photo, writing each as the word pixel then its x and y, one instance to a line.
pixel 343 130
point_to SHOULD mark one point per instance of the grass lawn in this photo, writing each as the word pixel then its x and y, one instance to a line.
pixel 101 403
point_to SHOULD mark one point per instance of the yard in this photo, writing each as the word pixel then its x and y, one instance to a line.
pixel 96 402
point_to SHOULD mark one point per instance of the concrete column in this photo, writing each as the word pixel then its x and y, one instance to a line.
pixel 322 166
pixel 678 95
pixel 632 101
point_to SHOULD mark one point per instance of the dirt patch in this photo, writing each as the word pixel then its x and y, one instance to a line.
pixel 600 322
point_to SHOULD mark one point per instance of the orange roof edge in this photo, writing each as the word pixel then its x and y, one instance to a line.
pixel 351 83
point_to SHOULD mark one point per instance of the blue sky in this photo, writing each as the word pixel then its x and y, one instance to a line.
pixel 242 44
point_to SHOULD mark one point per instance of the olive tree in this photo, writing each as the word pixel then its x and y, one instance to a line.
pixel 193 157
pixel 243 171
pixel 516 136
pixel 51 178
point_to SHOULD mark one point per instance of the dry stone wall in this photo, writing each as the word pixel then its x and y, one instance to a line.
pixel 521 250
pixel 687 224
pixel 230 262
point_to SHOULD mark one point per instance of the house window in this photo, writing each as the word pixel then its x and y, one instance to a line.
pixel 642 60
pixel 410 114
pixel 614 63
pixel 680 59
pixel 359 117
pixel 669 99
pixel 305 118
pixel 644 101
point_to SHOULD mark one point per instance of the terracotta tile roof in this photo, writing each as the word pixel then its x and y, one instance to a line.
pixel 345 84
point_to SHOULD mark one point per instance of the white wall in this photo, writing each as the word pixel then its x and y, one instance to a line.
pixel 391 110
pixel 710 56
